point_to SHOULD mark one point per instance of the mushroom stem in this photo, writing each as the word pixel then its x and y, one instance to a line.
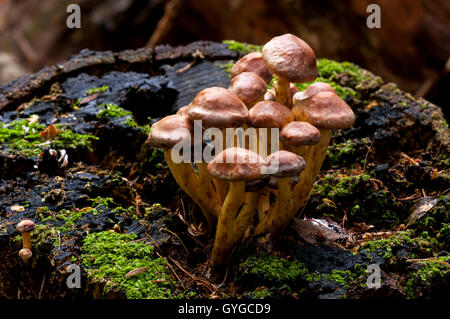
pixel 245 216
pixel 316 156
pixel 26 240
pixel 204 180
pixel 282 91
pixel 263 225
pixel 278 222
pixel 263 203
pixel 187 179
pixel 224 235
pixel 279 217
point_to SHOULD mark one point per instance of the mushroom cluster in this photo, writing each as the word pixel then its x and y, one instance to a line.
pixel 260 150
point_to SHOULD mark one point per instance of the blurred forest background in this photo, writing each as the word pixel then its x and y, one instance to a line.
pixel 412 48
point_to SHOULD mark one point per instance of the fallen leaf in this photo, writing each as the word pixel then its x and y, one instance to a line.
pixel 136 272
pixel 314 230
pixel 423 206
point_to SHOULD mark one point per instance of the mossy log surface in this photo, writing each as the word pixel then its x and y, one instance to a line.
pixel 115 211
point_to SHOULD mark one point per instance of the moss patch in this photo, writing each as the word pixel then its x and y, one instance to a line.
pixel 419 244
pixel 109 257
pixel 26 138
pixel 97 90
pixel 293 276
pixel 432 273
pixel 336 194
pixel 242 47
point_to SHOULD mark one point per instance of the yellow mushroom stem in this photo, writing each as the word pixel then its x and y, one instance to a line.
pixel 26 240
pixel 316 156
pixel 282 91
pixel 206 189
pixel 263 203
pixel 263 224
pixel 185 176
pixel 223 241
pixel 245 217
pixel 279 217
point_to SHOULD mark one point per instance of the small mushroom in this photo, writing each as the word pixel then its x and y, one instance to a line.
pixel 25 255
pixel 312 89
pixel 236 165
pixel 252 62
pixel 25 227
pixel 296 136
pixel 326 111
pixel 292 60
pixel 168 132
pixel 220 108
pixel 285 165
pixel 248 87
pixel 268 114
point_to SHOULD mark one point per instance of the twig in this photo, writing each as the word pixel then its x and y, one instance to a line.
pixel 174 272
pixel 42 288
pixel 153 241
pixel 165 23
pixel 367 154
pixel 174 234
pixel 434 259
pixel 196 279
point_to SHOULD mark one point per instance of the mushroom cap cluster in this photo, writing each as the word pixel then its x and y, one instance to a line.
pixel 238 183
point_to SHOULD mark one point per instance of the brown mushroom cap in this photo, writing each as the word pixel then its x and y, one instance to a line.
pixel 324 110
pixel 25 225
pixel 170 130
pixel 257 184
pixel 291 58
pixel 218 107
pixel 248 86
pixel 237 164
pixel 183 110
pixel 312 89
pixel 25 254
pixel 298 133
pixel 252 62
pixel 269 114
pixel 286 163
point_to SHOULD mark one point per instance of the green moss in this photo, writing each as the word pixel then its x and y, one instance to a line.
pixel 334 187
pixel 23 137
pixel 64 221
pixel 421 244
pixel 108 257
pixel 273 269
pixel 112 110
pixel 97 90
pixel 292 275
pixel 226 67
pixel 241 47
pixel 430 272
pixel 436 221
pixel 261 293
pixel 335 195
